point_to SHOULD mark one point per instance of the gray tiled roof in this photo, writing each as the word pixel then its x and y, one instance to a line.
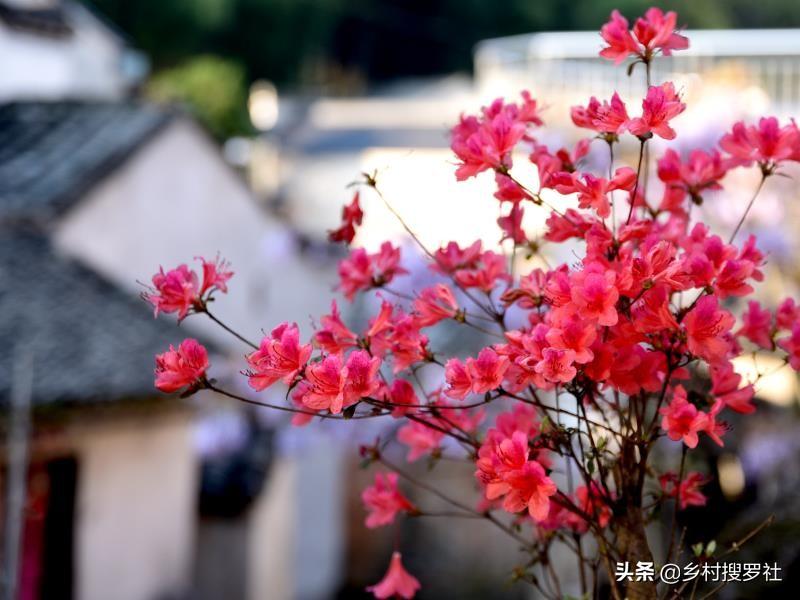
pixel 51 153
pixel 90 340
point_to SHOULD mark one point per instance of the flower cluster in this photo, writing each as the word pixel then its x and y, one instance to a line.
pixel 181 291
pixel 610 357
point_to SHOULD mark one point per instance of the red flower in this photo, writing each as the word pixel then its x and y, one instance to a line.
pixel 619 39
pixel 595 295
pixel 419 438
pixel 459 380
pixel 757 325
pixel 397 582
pixel 511 225
pixel 215 275
pixel 179 290
pixel 706 327
pixel 362 271
pixel 181 368
pixel 352 215
pixel 435 304
pixel 654 32
pixel 334 337
pixel 279 357
pixel 792 346
pixel 766 143
pixel 688 492
pixel 659 107
pixel 593 191
pixel 701 172
pixel 681 420
pixel 484 275
pixel 725 384
pixel 608 118
pixel 384 500
pixel 402 397
pixel 486 371
pixel 556 365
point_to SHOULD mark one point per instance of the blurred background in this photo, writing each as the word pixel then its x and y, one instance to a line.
pixel 139 134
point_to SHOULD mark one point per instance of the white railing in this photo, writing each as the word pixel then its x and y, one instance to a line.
pixel 566 66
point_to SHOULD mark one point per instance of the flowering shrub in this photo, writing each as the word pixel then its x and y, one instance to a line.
pixel 611 359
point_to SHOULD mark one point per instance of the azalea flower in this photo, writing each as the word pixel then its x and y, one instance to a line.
pixel 660 106
pixel 681 420
pixel 687 492
pixel 652 33
pixel 352 215
pixel 179 290
pixel 767 143
pixel 181 368
pixel 396 583
pixel 384 500
pixel 279 357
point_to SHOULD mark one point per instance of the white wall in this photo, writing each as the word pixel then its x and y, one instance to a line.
pixel 87 64
pixel 136 507
pixel 176 199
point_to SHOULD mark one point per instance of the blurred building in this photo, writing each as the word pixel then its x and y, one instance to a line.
pixel 59 49
pixel 96 191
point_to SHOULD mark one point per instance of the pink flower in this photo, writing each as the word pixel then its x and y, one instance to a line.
pixel 681 420
pixel 360 376
pixel 334 337
pixel 610 118
pixel 486 371
pixel 334 386
pixel 403 398
pixel 384 500
pixel 574 334
pixel 757 325
pixel 619 39
pixel 397 582
pixel 725 386
pixel 688 492
pixel 594 294
pixel 355 273
pixel 180 291
pixel 509 190
pixel 325 384
pixel 593 191
pixel 215 275
pixel 352 215
pixel 174 291
pixel 486 142
pixel 530 489
pixel 181 368
pixel 660 106
pixel 362 271
pixel 702 171
pixel 452 257
pixel 511 225
pixel 459 380
pixel 484 275
pixel 434 304
pixel 766 143
pixel 504 470
pixel 556 365
pixel 420 439
pixel 655 32
pixel 792 346
pixel 706 327
pixel 787 314
pixel 711 427
pixel 280 356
